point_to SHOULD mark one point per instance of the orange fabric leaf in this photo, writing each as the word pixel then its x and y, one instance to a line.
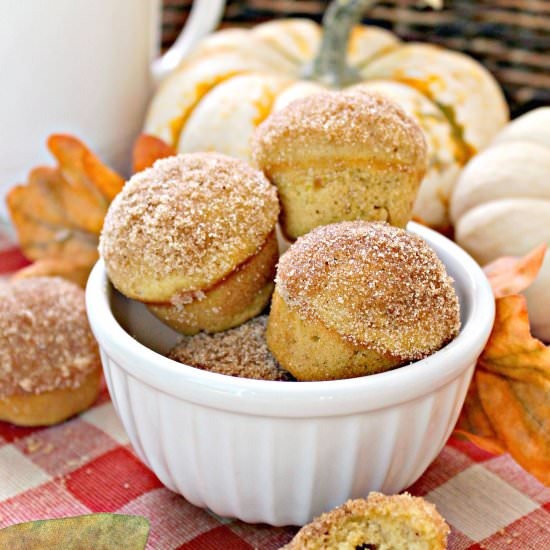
pixel 473 417
pixel 508 403
pixel 148 149
pixel 490 444
pixel 57 267
pixel 81 167
pixel 44 228
pixel 510 275
pixel 59 212
pixel 474 424
pixel 511 350
pixel 522 424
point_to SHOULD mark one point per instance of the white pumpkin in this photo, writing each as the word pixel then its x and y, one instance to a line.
pixel 215 99
pixel 501 204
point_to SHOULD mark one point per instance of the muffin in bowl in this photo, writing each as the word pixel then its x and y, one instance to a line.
pixel 339 156
pixel 355 298
pixel 284 452
pixel 193 237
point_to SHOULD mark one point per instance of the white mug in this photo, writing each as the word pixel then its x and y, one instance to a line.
pixel 84 67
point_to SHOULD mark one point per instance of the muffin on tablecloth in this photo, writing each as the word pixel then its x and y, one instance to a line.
pixel 49 360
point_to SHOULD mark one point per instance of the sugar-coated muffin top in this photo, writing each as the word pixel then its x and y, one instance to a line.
pixel 186 223
pixel 375 285
pixel 240 351
pixel 365 126
pixel 45 340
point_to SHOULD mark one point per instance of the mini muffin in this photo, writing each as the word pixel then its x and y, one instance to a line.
pixel 356 298
pixel 193 237
pixel 240 351
pixel 49 360
pixel 399 522
pixel 341 156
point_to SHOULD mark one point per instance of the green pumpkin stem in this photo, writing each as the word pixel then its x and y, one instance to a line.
pixel 330 65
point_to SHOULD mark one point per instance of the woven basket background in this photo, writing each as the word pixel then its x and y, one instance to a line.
pixel 510 37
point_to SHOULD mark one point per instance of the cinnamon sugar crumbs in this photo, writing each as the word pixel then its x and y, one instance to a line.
pixel 374 284
pixel 241 352
pixel 48 449
pixel 45 340
pixel 33 445
pixel 193 217
pixel 365 121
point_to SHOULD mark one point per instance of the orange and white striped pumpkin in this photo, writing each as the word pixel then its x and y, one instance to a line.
pixel 235 78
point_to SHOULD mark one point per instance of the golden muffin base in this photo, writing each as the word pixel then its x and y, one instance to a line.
pixel 310 351
pixel 398 522
pixel 231 302
pixel 337 190
pixel 51 407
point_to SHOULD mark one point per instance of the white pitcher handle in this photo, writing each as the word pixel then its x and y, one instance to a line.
pixel 204 18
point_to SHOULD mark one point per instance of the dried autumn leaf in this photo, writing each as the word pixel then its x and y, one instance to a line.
pixel 56 267
pixel 59 212
pixel 80 166
pixel 510 275
pixel 475 425
pixel 509 404
pixel 148 149
pixel 519 412
pixel 419 220
pixel 97 531
pixel 43 229
pixel 511 350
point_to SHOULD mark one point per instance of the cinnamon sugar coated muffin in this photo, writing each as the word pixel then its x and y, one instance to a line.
pixel 240 351
pixel 355 298
pixel 193 238
pixel 398 522
pixel 341 156
pixel 49 360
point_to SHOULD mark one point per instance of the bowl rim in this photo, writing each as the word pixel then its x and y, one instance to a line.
pixel 299 399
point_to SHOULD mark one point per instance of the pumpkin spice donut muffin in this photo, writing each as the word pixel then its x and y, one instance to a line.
pixel 241 351
pixel 339 156
pixel 49 361
pixel 380 522
pixel 356 298
pixel 193 237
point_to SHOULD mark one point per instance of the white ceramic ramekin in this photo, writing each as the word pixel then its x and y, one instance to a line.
pixel 283 452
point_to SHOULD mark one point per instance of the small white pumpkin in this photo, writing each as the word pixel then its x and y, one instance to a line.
pixel 236 77
pixel 446 155
pixel 501 204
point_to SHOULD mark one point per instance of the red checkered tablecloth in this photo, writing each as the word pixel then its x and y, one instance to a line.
pixel 87 465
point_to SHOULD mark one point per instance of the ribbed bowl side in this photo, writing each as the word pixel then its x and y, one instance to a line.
pixel 276 470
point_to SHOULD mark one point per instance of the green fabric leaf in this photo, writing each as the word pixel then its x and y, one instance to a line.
pixel 89 532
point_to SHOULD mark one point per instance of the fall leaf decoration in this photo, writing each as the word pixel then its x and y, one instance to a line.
pixel 59 212
pixel 56 267
pixel 509 275
pixel 98 531
pixel 148 149
pixel 507 408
